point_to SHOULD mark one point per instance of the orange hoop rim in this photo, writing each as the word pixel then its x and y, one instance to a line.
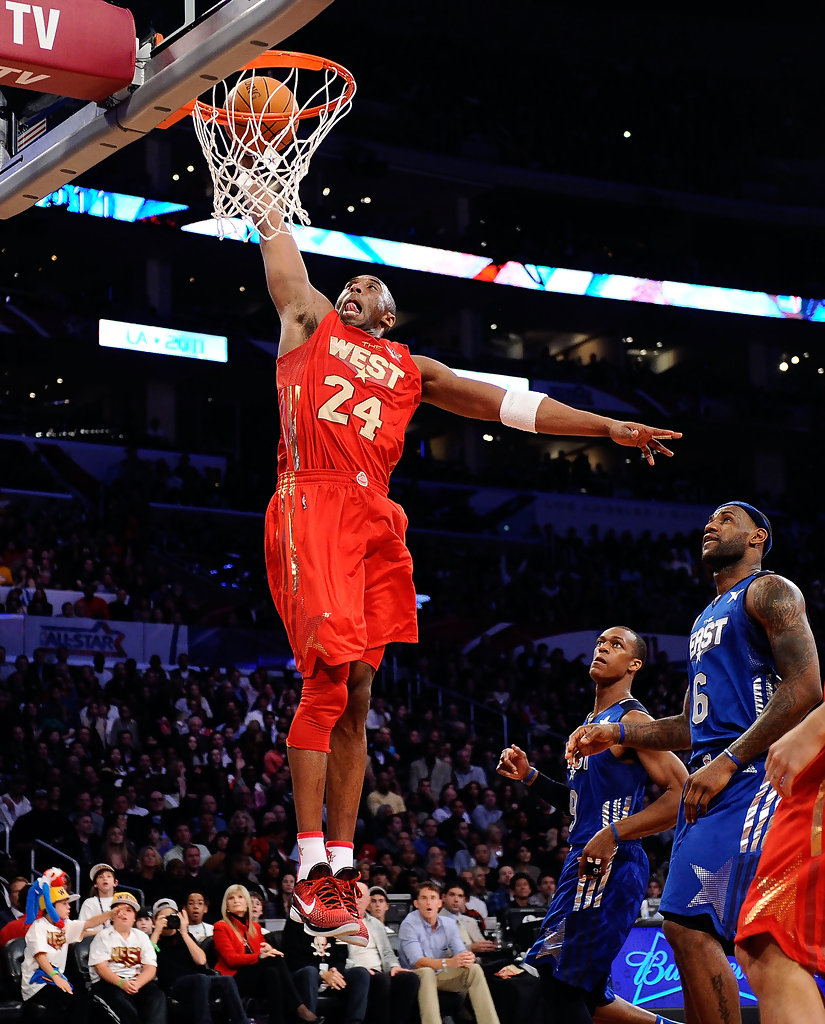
pixel 273 59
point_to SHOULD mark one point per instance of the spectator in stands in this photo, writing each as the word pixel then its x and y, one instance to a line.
pixel 144 921
pixel 516 995
pixel 393 990
pixel 465 772
pixel 44 985
pixel 501 897
pixel 148 875
pixel 321 962
pixel 431 946
pixel 259 969
pixel 82 846
pixel 182 968
pixel 120 610
pixel 197 907
pixel 104 885
pixel 524 862
pixel 90 606
pixel 385 794
pixel 546 888
pixel 40 604
pixel 13 920
pixel 431 767
pixel 41 822
pixel 117 850
pixel 428 836
pixel 379 903
pixel 15 803
pixel 524 891
pixel 182 835
pixel 488 812
pixel 123 966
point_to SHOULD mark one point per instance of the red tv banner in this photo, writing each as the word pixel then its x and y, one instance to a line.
pixel 85 49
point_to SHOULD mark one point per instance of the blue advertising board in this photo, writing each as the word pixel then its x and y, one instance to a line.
pixel 645 971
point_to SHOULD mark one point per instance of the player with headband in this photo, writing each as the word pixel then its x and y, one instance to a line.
pixel 337 562
pixel 753 674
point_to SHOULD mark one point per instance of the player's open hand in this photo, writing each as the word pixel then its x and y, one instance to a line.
pixel 513 763
pixel 591 739
pixel 647 439
pixel 704 785
pixel 791 754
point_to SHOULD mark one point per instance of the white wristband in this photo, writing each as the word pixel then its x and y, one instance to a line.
pixel 520 408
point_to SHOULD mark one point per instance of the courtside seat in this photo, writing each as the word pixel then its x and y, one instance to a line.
pixel 11 972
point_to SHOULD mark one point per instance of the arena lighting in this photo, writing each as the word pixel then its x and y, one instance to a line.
pixel 162 341
pixel 111 205
pixel 382 252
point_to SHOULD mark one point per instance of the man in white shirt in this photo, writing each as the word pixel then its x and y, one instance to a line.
pixel 183 837
pixel 393 992
pixel 123 964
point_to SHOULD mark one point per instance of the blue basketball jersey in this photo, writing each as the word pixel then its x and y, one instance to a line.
pixel 589 918
pixel 732 673
pixel 602 788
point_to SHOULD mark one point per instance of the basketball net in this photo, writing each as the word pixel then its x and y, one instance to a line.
pixel 257 160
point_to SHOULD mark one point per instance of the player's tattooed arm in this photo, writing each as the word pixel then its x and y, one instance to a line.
pixel 661 734
pixel 778 606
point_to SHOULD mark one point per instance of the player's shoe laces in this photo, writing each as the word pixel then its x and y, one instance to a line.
pixel 317 903
pixel 347 879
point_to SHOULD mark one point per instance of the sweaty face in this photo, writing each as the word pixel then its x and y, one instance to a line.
pixel 725 538
pixel 612 655
pixel 365 302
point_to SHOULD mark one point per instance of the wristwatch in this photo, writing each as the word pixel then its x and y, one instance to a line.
pixel 443 963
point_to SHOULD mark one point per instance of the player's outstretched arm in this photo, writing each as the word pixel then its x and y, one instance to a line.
pixel 531 411
pixel 647 734
pixel 300 306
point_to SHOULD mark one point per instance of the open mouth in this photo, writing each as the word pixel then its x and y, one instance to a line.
pixel 599 660
pixel 351 306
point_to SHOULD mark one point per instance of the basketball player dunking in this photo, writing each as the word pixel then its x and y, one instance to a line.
pixel 338 567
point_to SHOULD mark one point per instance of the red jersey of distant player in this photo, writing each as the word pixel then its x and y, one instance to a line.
pixel 345 400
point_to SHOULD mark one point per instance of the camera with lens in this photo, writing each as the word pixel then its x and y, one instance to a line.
pixel 172 922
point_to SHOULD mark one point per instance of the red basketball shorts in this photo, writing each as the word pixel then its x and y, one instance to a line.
pixel 339 570
pixel 787 896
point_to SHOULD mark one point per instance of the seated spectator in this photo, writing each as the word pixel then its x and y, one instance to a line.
pixel 488 812
pixel 117 850
pixel 431 946
pixel 464 772
pixel 148 876
pixel 384 794
pixel 546 889
pixel 44 984
pixel 183 972
pixel 182 834
pixel 322 960
pixel 259 969
pixel 144 922
pixel 516 994
pixel 123 966
pixel 197 907
pixel 16 927
pixel 17 903
pixel 501 897
pixel 379 905
pixel 393 992
pixel 90 606
pixel 524 862
pixel 427 837
pixel 104 884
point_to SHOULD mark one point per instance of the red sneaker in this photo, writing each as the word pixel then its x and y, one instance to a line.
pixel 347 879
pixel 317 903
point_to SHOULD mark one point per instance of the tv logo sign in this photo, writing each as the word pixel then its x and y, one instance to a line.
pixel 645 972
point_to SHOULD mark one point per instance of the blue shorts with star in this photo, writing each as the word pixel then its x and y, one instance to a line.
pixel 714 860
pixel 589 919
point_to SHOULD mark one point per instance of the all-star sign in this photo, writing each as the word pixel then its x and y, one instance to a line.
pixel 85 49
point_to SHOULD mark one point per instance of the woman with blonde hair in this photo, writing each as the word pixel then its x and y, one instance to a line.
pixel 259 969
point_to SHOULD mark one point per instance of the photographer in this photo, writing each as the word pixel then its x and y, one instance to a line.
pixel 182 970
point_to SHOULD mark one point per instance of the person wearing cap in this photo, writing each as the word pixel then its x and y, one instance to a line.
pixel 123 965
pixel 44 986
pixel 104 884
pixel 393 991
pixel 183 971
pixel 753 675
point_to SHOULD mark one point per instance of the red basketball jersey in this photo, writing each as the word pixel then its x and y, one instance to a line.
pixel 345 400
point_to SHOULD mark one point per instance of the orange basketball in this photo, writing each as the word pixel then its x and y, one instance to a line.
pixel 259 94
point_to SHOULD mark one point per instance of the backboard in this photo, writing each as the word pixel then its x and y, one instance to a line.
pixel 184 46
